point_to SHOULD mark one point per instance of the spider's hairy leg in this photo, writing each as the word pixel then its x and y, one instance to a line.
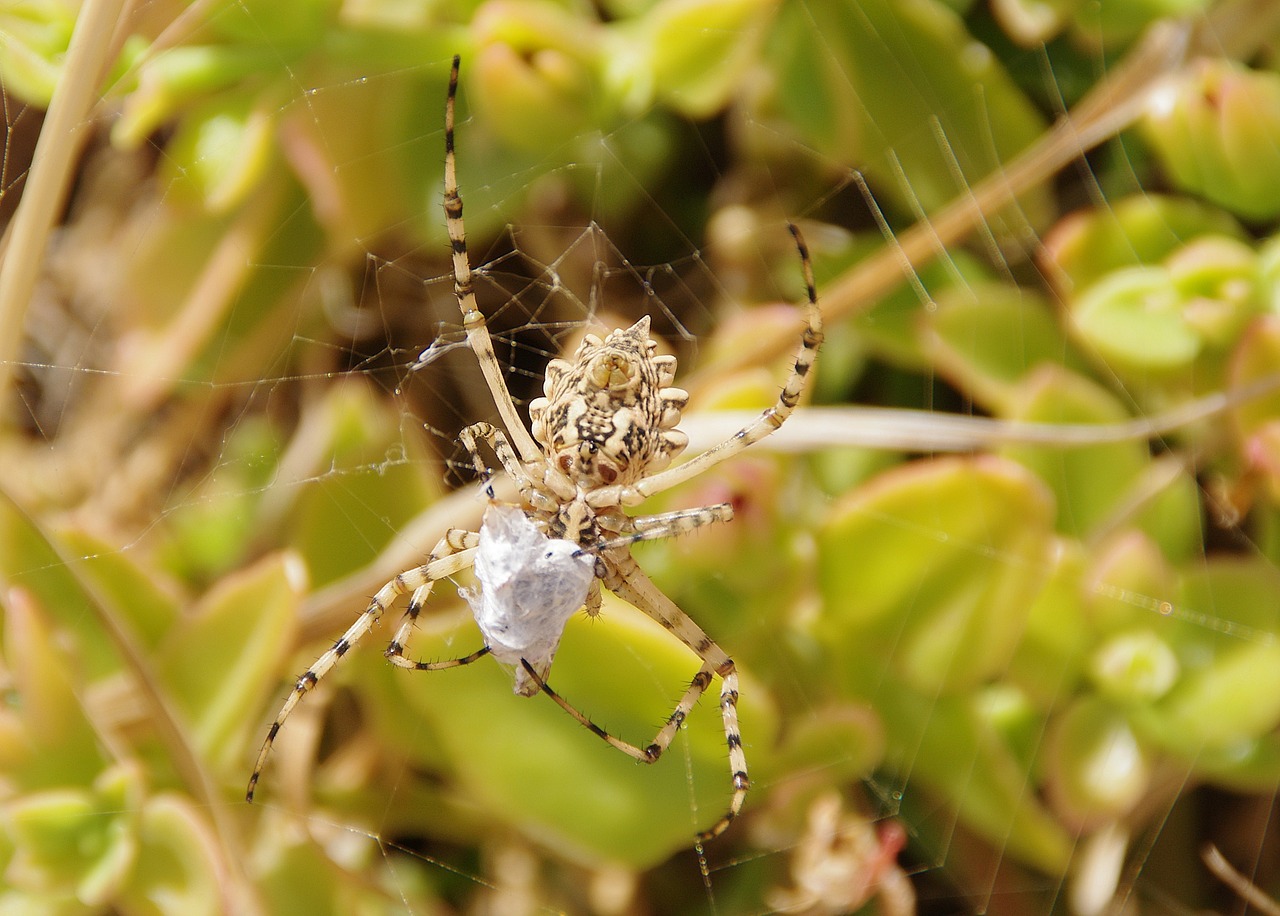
pixel 472 319
pixel 669 524
pixel 592 605
pixel 764 425
pixel 637 588
pixel 471 436
pixel 626 747
pixel 654 749
pixel 435 568
pixel 455 541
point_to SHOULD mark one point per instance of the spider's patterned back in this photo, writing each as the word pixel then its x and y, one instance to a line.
pixel 609 417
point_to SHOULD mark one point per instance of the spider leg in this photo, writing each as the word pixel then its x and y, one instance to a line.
pixel 413 579
pixel 668 524
pixel 472 318
pixel 501 445
pixel 764 425
pixel 650 752
pixel 455 541
pixel 636 588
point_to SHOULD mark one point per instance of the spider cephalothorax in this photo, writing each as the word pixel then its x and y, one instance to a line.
pixel 609 416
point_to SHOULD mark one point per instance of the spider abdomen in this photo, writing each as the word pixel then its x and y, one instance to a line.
pixel 609 416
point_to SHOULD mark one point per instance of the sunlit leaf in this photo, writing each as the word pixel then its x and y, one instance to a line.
pixel 932 567
pixel 220 660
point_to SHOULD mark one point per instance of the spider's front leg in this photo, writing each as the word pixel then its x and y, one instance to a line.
pixel 761 427
pixel 454 552
pixel 471 436
pixel 667 524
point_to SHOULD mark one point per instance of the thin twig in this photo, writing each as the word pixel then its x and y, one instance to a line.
pixel 63 134
pixel 1249 892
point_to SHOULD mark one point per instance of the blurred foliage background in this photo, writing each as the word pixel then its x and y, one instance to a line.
pixel 1021 656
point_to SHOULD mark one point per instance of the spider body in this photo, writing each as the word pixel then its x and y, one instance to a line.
pixel 601 439
pixel 609 416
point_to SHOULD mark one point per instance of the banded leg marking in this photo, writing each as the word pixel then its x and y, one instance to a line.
pixel 453 543
pixel 668 524
pixel 414 579
pixel 661 741
pixel 472 319
pixel 636 588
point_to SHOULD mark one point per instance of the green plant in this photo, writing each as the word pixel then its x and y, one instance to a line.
pixel 1052 637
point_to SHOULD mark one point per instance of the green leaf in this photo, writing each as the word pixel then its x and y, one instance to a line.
pixel 1232 701
pixel 75 842
pixel 358 484
pixel 151 601
pixel 1139 230
pixel 178 77
pixel 903 91
pixel 986 338
pixel 1216 129
pixel 1097 769
pixel 221 151
pixel 527 100
pixel 952 745
pixel 1121 21
pixel 1124 571
pixel 697 52
pixel 1091 481
pixel 1134 318
pixel 177 869
pixel 1050 656
pixel 286 27
pixel 49 740
pixel 225 655
pixel 34 37
pixel 28 561
pixel 1224 628
pixel 1256 421
pixel 930 569
pixel 1135 667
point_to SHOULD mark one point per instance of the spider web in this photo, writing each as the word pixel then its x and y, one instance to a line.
pixel 211 427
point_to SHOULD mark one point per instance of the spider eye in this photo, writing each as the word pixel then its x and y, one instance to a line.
pixel 607 473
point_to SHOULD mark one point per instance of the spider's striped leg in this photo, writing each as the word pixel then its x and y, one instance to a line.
pixel 753 432
pixel 668 524
pixel 473 434
pixel 413 579
pixel 650 752
pixel 472 318
pixel 454 542
pixel 636 588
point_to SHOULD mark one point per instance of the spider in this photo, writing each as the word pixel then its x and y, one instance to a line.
pixel 600 440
